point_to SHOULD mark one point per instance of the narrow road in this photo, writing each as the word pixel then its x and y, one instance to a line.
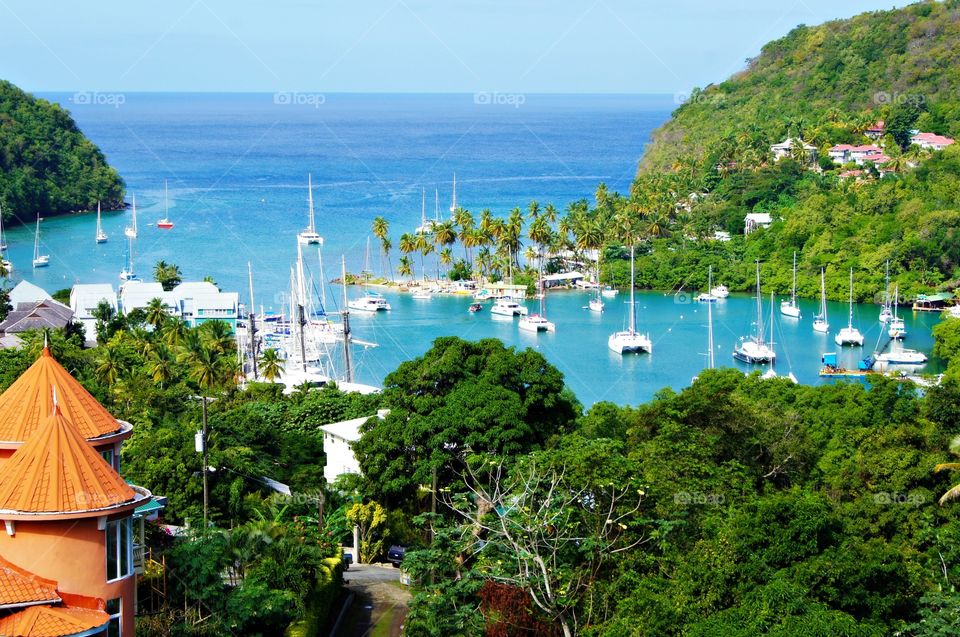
pixel 380 606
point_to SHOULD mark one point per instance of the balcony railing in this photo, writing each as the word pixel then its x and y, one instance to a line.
pixel 139 553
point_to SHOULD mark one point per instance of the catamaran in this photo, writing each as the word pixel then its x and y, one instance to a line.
pixel 897 329
pixel 508 307
pixel 127 273
pixel 309 234
pixel 754 349
pixel 426 225
pixel 538 322
pixel 101 235
pixel 790 308
pixel 885 312
pixel 630 340
pixel 849 335
pixel 39 260
pixel 165 223
pixel 369 302
pixel 820 323
pixel 131 230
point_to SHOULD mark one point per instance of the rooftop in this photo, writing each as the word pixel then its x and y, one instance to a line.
pixel 26 292
pixel 30 399
pixel 19 587
pixel 57 471
pixel 50 621
pixel 35 315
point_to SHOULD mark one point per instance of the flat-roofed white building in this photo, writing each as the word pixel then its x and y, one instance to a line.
pixel 84 300
pixel 338 439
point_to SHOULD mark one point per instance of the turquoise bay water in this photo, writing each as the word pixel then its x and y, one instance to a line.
pixel 237 165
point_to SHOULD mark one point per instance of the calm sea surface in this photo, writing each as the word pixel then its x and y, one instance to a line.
pixel 237 168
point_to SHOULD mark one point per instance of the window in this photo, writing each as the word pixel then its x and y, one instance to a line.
pixel 119 549
pixel 107 455
pixel 113 609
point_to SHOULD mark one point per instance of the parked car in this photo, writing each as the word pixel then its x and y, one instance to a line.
pixel 347 560
pixel 395 554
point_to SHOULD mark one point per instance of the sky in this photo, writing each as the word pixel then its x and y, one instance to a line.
pixel 462 46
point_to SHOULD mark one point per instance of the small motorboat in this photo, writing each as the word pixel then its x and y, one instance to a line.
pixel 475 307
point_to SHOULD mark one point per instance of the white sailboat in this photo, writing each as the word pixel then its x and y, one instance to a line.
pixel 127 273
pixel 849 335
pixel 820 323
pixel 7 265
pixel 720 292
pixel 790 308
pixel 596 303
pixel 754 349
pixel 453 206
pixel 897 329
pixel 426 225
pixel 101 235
pixel 708 297
pixel 309 234
pixel 165 223
pixel 629 340
pixel 885 312
pixel 538 322
pixel 131 230
pixel 39 260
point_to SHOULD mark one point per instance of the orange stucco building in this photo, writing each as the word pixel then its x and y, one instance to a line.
pixel 67 514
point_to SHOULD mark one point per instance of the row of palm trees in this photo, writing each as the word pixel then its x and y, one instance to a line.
pixel 493 246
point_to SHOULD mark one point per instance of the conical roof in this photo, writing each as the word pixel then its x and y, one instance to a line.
pixel 29 400
pixel 57 471
pixel 20 587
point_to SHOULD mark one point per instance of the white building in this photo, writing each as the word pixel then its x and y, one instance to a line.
pixel 136 295
pixel 931 141
pixel 26 292
pixel 755 220
pixel 84 299
pixel 785 149
pixel 338 439
pixel 201 301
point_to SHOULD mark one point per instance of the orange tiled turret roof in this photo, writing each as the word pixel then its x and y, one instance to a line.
pixel 29 400
pixel 57 471
pixel 49 621
pixel 21 587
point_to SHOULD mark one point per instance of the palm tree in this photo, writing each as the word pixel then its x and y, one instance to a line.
pixel 446 257
pixel 216 336
pixel 408 243
pixel 167 274
pixel 156 313
pixel 380 228
pixel 533 210
pixel 424 247
pixel 539 233
pixel 160 365
pixel 271 365
pixel 464 220
pixel 405 268
pixel 174 332
pixel 109 366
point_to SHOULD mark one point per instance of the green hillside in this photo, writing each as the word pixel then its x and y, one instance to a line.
pixel 47 165
pixel 826 85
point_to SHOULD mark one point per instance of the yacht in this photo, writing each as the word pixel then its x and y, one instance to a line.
pixel 609 292
pixel 708 297
pixel 596 302
pixel 309 234
pixel 896 329
pixel 595 305
pixel 7 265
pixel 427 226
pixel 508 307
pixel 902 357
pixel 886 313
pixel 721 292
pixel 101 235
pixel 538 322
pixel 630 341
pixel 165 223
pixel 849 335
pixel 754 349
pixel 127 273
pixel 422 295
pixel 820 323
pixel 369 302
pixel 790 308
pixel 39 260
pixel 131 231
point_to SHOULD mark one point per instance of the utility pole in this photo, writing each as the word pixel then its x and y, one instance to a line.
pixel 206 467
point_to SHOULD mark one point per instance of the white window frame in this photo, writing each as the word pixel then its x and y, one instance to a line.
pixel 116 616
pixel 116 527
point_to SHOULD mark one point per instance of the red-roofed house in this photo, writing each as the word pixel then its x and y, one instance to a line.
pixel 876 131
pixel 931 141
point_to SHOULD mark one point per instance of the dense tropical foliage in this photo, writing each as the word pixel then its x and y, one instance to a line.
pixel 47 165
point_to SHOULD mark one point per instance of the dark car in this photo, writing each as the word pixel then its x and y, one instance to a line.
pixel 395 554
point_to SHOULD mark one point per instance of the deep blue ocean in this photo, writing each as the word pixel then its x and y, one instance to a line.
pixel 237 165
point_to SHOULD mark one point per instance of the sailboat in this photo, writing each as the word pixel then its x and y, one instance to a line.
pixel 7 265
pixel 790 308
pixel 426 225
pixel 708 297
pixel 885 313
pixel 754 349
pixel 165 223
pixel 39 260
pixel 629 340
pixel 849 335
pixel 453 206
pixel 898 328
pixel 101 235
pixel 820 323
pixel 127 273
pixel 309 234
pixel 131 231
pixel 596 303
pixel 538 322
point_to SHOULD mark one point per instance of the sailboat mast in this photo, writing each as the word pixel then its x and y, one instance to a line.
pixel 453 206
pixel 850 316
pixel 794 296
pixel 36 240
pixel 310 226
pixel 771 320
pixel 759 308
pixel 710 361
pixel 323 282
pixel 633 303
pixel 166 201
pixel 251 324
pixel 436 204
pixel 348 369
